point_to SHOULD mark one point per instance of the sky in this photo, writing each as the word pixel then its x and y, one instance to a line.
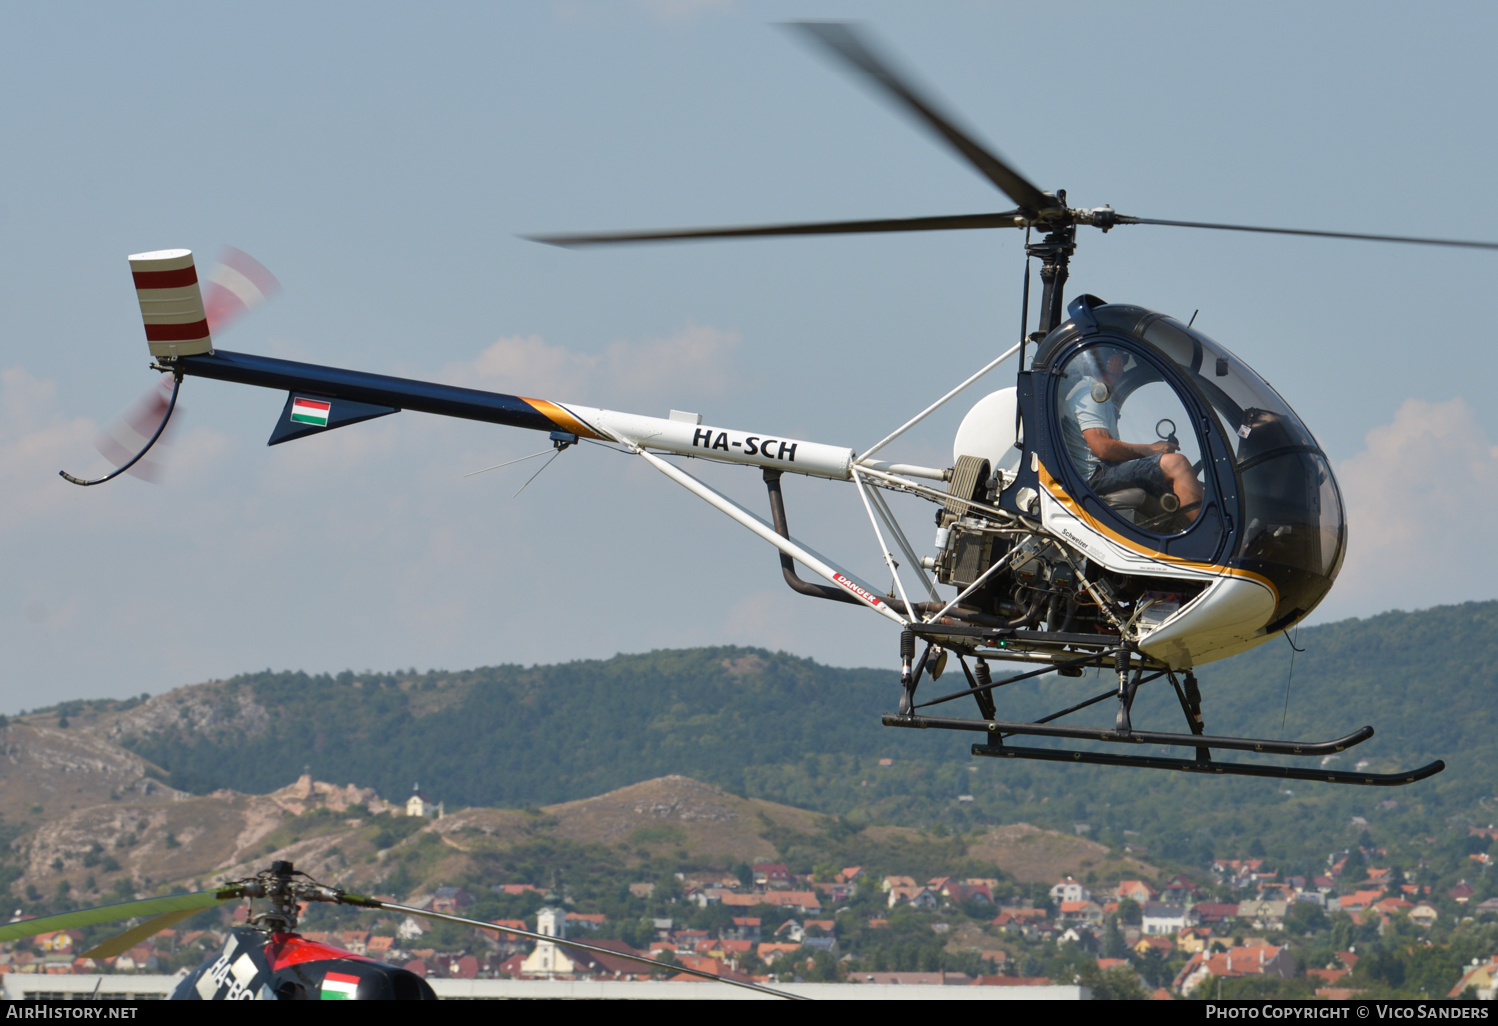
pixel 383 161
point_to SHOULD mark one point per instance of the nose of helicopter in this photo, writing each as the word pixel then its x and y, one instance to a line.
pixel 1259 506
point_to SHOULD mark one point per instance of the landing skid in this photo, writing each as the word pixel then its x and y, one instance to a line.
pixel 1235 769
pixel 1136 737
pixel 981 688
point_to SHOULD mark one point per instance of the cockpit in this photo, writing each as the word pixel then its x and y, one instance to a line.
pixel 1122 426
pixel 1187 450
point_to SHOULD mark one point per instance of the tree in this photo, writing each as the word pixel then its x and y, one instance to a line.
pixel 1117 984
pixel 1431 971
pixel 1381 965
pixel 1113 939
pixel 1304 918
pixel 821 967
pixel 1342 927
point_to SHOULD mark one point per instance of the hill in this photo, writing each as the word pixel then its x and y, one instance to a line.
pixel 349 836
pixel 773 727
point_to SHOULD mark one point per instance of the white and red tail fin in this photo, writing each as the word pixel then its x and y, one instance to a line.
pixel 171 303
pixel 236 286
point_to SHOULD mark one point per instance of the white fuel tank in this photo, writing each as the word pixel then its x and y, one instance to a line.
pixel 988 432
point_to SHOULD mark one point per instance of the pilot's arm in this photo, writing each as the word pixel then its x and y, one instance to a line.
pixel 1110 450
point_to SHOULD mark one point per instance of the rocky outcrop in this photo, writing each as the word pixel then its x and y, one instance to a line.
pixel 200 708
pixel 46 771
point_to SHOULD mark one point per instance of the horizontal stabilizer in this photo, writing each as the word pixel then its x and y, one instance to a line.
pixel 309 414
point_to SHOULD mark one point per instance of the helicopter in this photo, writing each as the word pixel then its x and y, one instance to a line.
pixel 1069 545
pixel 267 960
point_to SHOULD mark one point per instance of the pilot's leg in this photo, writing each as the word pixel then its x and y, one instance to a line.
pixel 1177 470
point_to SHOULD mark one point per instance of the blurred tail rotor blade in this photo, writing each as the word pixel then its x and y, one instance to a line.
pixel 236 286
pixel 128 435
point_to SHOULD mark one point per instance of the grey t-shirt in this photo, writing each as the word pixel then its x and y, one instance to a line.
pixel 1080 412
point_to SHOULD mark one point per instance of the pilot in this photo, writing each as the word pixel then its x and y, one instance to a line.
pixel 1090 426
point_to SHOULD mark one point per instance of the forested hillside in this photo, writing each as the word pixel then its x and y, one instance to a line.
pixel 787 729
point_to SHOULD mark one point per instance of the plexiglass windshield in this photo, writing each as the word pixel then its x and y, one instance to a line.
pixel 1129 436
pixel 1292 510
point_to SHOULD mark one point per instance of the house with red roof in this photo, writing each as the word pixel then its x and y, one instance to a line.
pixel 960 892
pixel 920 897
pixel 771 875
pixel 1247 960
pixel 1081 912
pixel 1359 900
pixel 769 951
pixel 1177 891
pixel 1156 942
pixel 744 928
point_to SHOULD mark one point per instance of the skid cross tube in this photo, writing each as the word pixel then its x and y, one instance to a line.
pixel 1226 769
pixel 980 688
pixel 1138 737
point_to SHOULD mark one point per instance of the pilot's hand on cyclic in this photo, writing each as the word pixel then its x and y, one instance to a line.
pixel 1163 447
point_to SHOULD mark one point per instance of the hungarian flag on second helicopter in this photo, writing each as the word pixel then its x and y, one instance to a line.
pixel 339 987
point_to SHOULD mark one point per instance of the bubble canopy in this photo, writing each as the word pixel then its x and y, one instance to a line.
pixel 1175 443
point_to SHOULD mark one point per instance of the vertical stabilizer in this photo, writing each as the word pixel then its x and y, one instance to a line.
pixel 171 303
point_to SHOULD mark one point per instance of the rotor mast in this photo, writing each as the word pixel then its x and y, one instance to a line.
pixel 1054 252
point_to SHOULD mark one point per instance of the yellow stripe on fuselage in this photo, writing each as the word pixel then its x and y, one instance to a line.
pixel 1074 507
pixel 561 418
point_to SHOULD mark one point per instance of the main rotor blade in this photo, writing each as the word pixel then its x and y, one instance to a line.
pixel 113 913
pixel 1415 239
pixel 364 902
pixel 842 40
pixel 951 222
pixel 123 942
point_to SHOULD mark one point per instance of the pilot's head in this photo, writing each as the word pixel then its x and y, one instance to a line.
pixel 1113 363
